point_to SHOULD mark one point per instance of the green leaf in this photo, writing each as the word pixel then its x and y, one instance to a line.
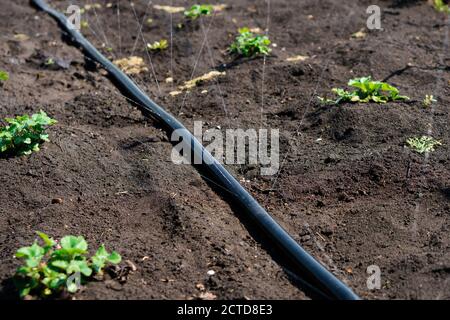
pixel 35 251
pixel 24 292
pixel 4 76
pixel 80 266
pixel 74 245
pixel 60 264
pixel 72 287
pixel 47 240
pixel 114 258
pixel 58 282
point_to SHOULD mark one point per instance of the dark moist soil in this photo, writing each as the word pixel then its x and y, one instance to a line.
pixel 348 190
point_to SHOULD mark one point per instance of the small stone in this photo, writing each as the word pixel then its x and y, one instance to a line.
pixel 57 201
pixel 305 238
pixel 114 285
pixel 200 286
pixel 207 296
pixel 131 265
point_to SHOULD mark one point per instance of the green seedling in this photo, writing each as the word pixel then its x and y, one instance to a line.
pixel 429 100
pixel 24 134
pixel 367 91
pixel 49 62
pixel 158 45
pixel 52 267
pixel 441 6
pixel 198 10
pixel 422 144
pixel 248 44
pixel 4 76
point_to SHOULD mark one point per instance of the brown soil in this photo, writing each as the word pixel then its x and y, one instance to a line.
pixel 353 198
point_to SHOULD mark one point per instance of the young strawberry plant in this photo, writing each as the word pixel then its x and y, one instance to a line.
pixel 248 44
pixel 367 91
pixel 423 144
pixel 198 10
pixel 50 268
pixel 24 134
pixel 158 45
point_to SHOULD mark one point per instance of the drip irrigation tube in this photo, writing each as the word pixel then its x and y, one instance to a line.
pixel 304 264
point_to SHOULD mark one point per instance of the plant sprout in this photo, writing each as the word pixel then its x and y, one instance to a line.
pixel 4 76
pixel 429 100
pixel 248 45
pixel 367 91
pixel 422 144
pixel 49 62
pixel 158 45
pixel 198 10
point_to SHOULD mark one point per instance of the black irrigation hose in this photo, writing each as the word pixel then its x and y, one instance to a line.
pixel 304 263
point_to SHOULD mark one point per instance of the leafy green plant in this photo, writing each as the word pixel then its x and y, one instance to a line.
pixel 24 134
pixel 422 144
pixel 248 44
pixel 367 91
pixel 158 45
pixel 198 10
pixel 48 269
pixel 429 100
pixel 441 6
pixel 4 76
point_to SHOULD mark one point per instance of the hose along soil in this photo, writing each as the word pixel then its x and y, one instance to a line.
pixel 317 276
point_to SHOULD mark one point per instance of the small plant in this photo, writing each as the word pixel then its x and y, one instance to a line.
pixel 198 10
pixel 50 268
pixel 429 100
pixel 441 6
pixel 24 134
pixel 367 91
pixel 158 45
pixel 49 62
pixel 422 144
pixel 248 45
pixel 4 76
